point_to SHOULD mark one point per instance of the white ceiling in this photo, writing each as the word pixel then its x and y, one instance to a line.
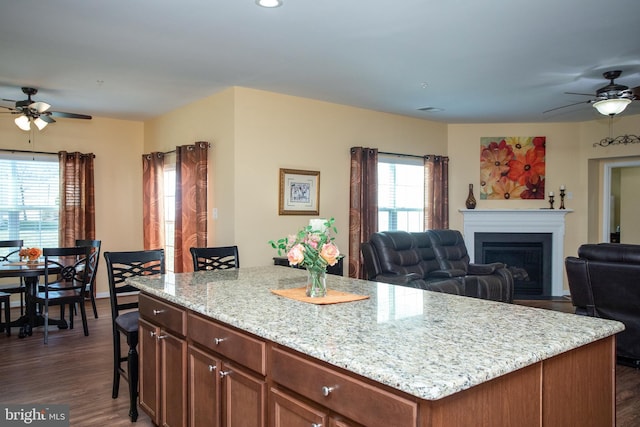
pixel 480 61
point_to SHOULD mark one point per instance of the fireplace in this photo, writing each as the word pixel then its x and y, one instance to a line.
pixel 521 221
pixel 528 255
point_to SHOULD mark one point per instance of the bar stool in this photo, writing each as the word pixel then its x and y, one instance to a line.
pixel 5 299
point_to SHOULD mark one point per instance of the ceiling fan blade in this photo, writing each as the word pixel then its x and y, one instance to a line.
pixel 636 92
pixel 569 105
pixel 69 115
pixel 583 94
pixel 40 106
pixel 47 118
pixel 9 100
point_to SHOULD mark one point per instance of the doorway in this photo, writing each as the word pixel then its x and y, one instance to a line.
pixel 621 203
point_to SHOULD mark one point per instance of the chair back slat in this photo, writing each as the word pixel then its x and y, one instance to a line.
pixel 6 257
pixel 72 263
pixel 215 258
pixel 94 257
pixel 123 265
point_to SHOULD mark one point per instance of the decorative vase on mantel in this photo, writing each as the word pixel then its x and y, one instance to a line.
pixel 316 283
pixel 471 201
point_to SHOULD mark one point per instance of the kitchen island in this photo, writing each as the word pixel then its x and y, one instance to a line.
pixel 401 357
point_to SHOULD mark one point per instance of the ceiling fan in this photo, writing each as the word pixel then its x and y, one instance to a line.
pixel 36 111
pixel 609 100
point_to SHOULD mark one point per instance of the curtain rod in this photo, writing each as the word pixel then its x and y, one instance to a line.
pixel 7 150
pixel 193 145
pixel 406 155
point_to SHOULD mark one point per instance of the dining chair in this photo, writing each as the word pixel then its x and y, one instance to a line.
pixel 94 261
pixel 5 300
pixel 66 287
pixel 215 258
pixel 124 313
pixel 13 247
pixel 94 258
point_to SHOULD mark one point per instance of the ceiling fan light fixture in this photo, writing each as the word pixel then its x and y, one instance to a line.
pixel 23 122
pixel 611 107
pixel 40 123
pixel 269 3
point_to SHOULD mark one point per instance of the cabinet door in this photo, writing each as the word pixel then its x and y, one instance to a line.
pixel 287 411
pixel 243 398
pixel 173 379
pixel 204 389
pixel 149 377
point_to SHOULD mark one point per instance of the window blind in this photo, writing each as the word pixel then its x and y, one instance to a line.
pixel 30 199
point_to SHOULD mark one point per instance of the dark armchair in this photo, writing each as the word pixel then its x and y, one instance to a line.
pixel 488 281
pixel 603 281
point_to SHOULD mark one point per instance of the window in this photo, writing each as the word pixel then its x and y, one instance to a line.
pixel 400 193
pixel 30 199
pixel 169 214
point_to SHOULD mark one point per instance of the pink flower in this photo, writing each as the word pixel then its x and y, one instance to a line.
pixel 330 253
pixel 312 240
pixel 296 254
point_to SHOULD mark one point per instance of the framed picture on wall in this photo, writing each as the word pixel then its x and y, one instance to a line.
pixel 299 192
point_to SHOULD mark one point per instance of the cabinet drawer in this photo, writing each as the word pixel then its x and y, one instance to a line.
pixel 163 314
pixel 346 395
pixel 236 346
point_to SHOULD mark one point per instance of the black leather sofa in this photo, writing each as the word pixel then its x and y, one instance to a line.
pixel 435 260
pixel 604 281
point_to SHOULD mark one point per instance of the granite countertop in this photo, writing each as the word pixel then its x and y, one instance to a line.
pixel 427 344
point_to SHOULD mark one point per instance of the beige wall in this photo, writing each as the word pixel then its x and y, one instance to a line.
pixel 117 145
pixel 255 133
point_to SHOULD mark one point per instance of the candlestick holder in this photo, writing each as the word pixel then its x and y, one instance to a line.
pixel 562 198
pixel 550 202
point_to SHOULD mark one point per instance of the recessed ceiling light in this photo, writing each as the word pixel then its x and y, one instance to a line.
pixel 269 3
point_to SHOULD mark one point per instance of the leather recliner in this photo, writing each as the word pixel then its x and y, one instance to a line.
pixel 491 281
pixel 604 282
pixel 415 260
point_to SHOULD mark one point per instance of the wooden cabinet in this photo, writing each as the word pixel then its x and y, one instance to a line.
pixel 163 356
pixel 204 389
pixel 229 371
pixel 345 395
pixel 199 370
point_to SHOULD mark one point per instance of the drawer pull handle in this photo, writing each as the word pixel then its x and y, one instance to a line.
pixel 224 373
pixel 156 312
pixel 161 337
pixel 152 334
pixel 212 368
pixel 217 341
pixel 316 425
pixel 326 391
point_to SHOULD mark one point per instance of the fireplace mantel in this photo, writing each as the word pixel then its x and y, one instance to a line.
pixel 521 221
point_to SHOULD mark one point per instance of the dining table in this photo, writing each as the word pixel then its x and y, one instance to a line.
pixel 30 272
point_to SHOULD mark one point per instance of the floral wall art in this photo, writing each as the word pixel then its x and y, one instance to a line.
pixel 512 167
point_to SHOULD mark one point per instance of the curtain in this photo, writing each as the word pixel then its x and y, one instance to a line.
pixel 77 198
pixel 436 192
pixel 191 203
pixel 363 204
pixel 153 200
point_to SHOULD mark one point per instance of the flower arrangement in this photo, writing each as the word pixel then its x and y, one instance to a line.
pixel 312 248
pixel 30 253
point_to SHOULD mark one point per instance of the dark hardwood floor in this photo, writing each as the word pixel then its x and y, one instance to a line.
pixel 76 370
pixel 72 369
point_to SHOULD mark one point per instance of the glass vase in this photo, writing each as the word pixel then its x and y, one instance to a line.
pixel 316 283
